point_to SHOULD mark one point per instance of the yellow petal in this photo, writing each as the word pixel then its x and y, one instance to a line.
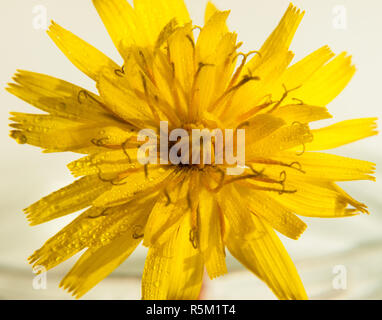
pixel 287 137
pixel 84 56
pixel 94 228
pixel 210 36
pixel 318 199
pixel 275 214
pixel 56 135
pixel 269 65
pixel 297 74
pixel 236 212
pixel 106 163
pixel 130 217
pixel 301 113
pixel 213 79
pixel 266 78
pixel 117 233
pixel 155 15
pixel 71 198
pixel 267 258
pixel 68 241
pixel 40 123
pixel 181 48
pixel 174 270
pixel 357 206
pixel 211 236
pixel 143 181
pixel 324 166
pixel 166 215
pixel 209 12
pixel 281 37
pixel 261 126
pixel 326 83
pixel 171 69
pixel 96 264
pixel 341 133
pixel 122 100
pixel 58 97
pixel 122 23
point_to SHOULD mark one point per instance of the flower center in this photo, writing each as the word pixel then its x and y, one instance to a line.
pixel 193 145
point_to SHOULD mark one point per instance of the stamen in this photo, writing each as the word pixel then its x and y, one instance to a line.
pixel 168 197
pixel 283 177
pixel 285 94
pixel 123 145
pixel 172 70
pixel 258 173
pixel 194 237
pixel 310 135
pixel 192 111
pixel 303 150
pixel 242 82
pixel 146 68
pixel 145 88
pixel 145 167
pixel 256 109
pixel 189 202
pixel 299 167
pixel 221 181
pixel 191 41
pixel 120 72
pixel 201 66
pixel 242 64
pixel 259 176
pixel 298 100
pixel 232 89
pixel 256 187
pixel 243 124
pixel 291 165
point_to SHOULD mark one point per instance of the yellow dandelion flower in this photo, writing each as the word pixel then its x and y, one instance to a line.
pixel 188 214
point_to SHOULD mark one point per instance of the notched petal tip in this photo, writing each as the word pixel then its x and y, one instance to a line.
pixel 9 87
pixel 53 29
pixel 303 228
pixel 70 288
pixel 294 9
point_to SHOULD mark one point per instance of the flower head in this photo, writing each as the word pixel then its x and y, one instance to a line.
pixel 188 213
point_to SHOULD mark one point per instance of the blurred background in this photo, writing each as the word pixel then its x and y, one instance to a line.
pixel 336 258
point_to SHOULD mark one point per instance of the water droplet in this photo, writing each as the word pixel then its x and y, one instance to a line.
pixel 19 137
